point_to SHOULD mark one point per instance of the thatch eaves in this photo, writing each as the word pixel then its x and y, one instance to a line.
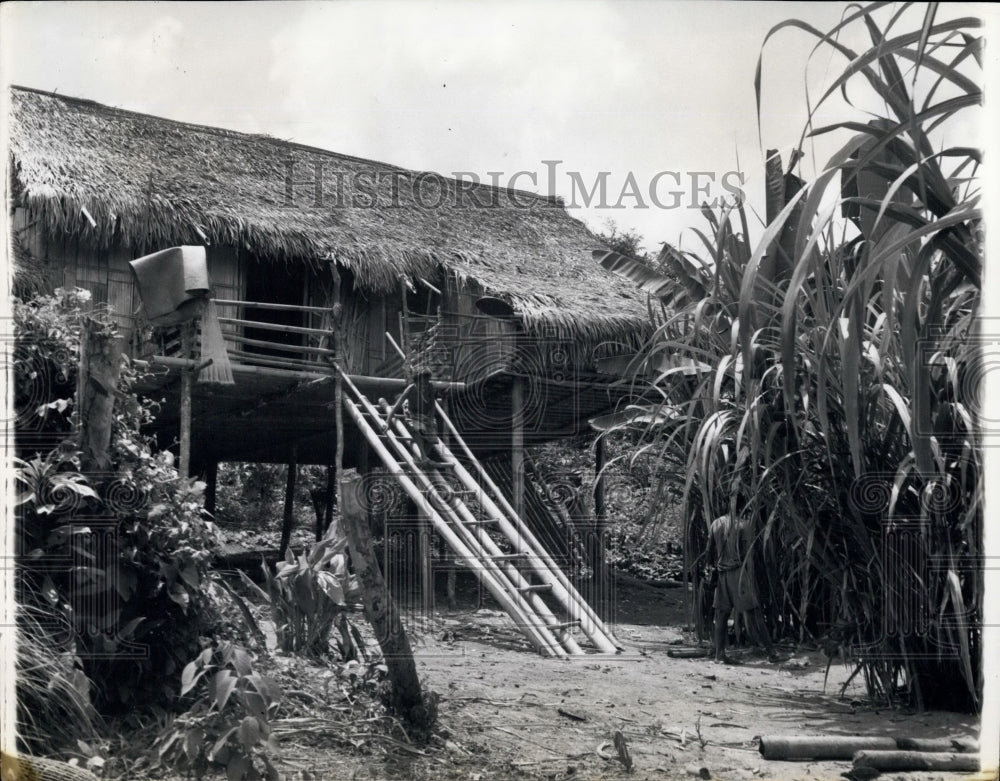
pixel 149 182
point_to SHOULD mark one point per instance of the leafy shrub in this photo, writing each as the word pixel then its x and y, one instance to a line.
pixel 46 352
pixel 307 596
pixel 228 725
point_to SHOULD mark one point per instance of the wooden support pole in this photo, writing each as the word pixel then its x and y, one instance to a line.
pixel 288 517
pixel 336 331
pixel 426 567
pixel 187 388
pixel 600 456
pixel 331 494
pixel 380 609
pixel 599 553
pixel 517 446
pixel 211 485
pixel 452 584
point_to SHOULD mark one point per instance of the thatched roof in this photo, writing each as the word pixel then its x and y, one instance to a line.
pixel 149 182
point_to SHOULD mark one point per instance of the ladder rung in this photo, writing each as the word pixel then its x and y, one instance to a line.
pixel 563 624
pixel 536 587
pixel 508 556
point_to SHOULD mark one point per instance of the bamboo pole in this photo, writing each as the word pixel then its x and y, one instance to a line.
pixel 279 307
pixel 453 540
pixel 288 348
pixel 519 531
pixel 278 362
pixel 285 329
pixel 361 380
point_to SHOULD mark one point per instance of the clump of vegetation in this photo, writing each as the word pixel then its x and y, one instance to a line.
pixel 117 560
pixel 228 726
pixel 828 370
pixel 307 597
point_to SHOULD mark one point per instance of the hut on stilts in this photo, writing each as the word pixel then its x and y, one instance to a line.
pixel 494 288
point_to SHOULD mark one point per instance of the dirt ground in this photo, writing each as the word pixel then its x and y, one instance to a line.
pixel 505 712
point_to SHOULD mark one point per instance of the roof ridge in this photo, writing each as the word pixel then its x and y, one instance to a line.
pixel 94 105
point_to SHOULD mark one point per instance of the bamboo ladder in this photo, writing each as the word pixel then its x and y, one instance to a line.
pixel 506 576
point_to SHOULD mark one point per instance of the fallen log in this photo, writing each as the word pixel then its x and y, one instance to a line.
pixel 688 653
pixel 807 747
pixel 814 747
pixel 916 760
pixel 958 745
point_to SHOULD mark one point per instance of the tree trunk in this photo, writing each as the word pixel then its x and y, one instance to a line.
pixel 97 382
pixel 380 609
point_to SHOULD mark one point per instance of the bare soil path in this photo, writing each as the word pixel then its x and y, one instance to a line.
pixel 506 712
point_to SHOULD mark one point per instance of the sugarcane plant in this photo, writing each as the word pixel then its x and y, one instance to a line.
pixel 830 368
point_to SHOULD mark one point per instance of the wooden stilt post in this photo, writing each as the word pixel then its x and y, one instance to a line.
pixel 517 446
pixel 289 517
pixel 187 386
pixel 328 505
pixel 336 315
pixel 599 553
pixel 426 569
pixel 452 562
pixel 211 485
pixel 600 456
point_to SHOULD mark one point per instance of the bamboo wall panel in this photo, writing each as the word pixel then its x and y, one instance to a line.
pixel 228 278
pixel 483 345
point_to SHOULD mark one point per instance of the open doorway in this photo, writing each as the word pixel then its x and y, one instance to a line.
pixel 274 283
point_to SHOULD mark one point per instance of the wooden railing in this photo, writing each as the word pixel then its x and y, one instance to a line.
pixel 303 353
pixel 274 345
